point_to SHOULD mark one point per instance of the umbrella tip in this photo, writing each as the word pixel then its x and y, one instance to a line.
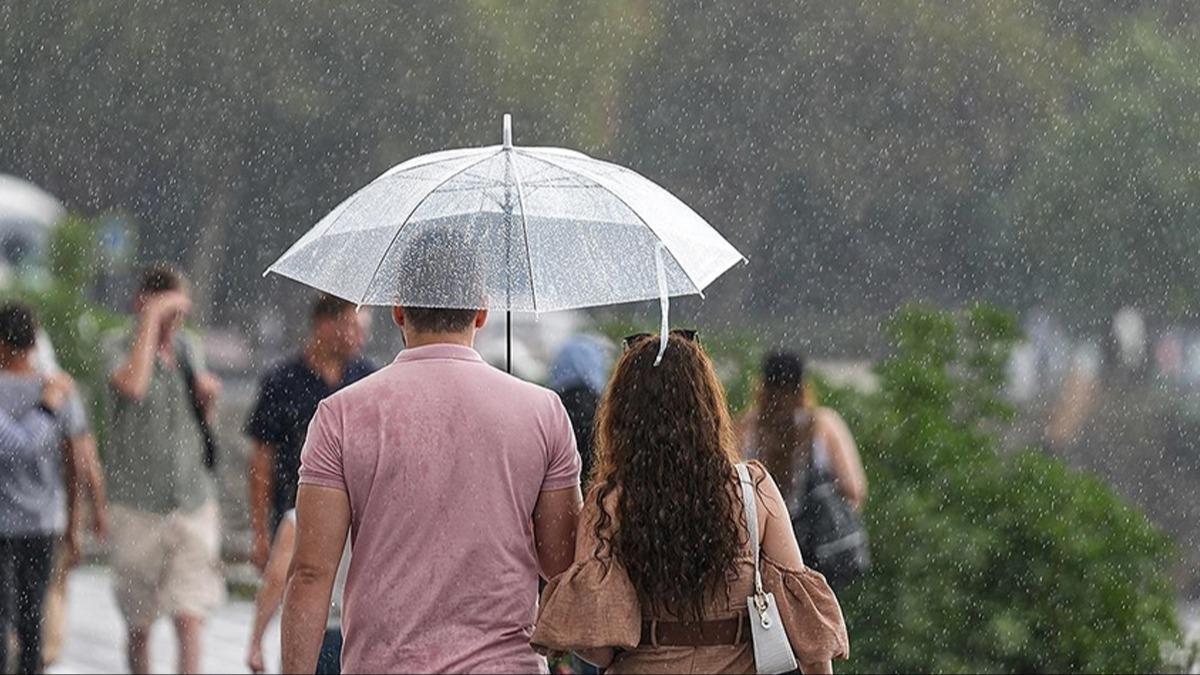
pixel 507 131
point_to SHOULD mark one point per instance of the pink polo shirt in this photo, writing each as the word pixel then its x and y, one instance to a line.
pixel 442 457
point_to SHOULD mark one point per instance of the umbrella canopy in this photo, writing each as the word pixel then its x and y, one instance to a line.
pixel 503 227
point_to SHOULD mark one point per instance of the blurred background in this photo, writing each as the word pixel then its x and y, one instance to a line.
pixel 980 219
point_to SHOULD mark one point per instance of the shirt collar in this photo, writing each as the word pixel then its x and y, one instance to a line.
pixel 439 351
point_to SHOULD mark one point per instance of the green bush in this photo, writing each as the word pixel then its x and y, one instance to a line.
pixel 986 562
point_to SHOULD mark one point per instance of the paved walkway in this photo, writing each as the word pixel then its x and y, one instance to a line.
pixel 95 642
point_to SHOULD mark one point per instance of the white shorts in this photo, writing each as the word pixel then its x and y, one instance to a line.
pixel 166 564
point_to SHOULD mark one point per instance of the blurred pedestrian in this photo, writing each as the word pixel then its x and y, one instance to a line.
pixel 578 375
pixel 811 452
pixel 666 554
pixel 460 484
pixel 270 594
pixel 288 396
pixel 165 526
pixel 42 427
pixel 90 485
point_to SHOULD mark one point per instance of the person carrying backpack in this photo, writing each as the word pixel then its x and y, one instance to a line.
pixel 160 455
pixel 812 454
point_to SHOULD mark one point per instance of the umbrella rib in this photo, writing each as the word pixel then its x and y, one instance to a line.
pixel 524 231
pixel 632 210
pixel 404 222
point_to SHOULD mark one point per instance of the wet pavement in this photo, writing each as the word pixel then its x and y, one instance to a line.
pixel 95 642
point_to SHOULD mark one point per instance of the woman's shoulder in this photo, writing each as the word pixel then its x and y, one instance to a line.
pixel 765 488
pixel 758 472
pixel 828 417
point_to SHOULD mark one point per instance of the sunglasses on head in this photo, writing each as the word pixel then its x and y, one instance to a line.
pixel 689 334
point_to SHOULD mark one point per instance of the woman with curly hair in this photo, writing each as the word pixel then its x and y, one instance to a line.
pixel 663 561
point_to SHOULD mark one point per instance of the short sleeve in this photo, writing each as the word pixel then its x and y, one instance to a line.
pixel 266 421
pixel 74 417
pixel 321 459
pixel 809 610
pixel 592 605
pixel 563 463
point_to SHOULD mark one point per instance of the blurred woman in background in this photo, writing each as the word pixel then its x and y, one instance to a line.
pixel 812 454
pixel 789 432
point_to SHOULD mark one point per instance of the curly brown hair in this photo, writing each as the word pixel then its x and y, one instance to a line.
pixel 665 445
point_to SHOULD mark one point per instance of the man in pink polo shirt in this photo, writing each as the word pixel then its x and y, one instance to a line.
pixel 459 484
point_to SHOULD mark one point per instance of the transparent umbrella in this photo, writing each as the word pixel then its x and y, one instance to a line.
pixel 526 229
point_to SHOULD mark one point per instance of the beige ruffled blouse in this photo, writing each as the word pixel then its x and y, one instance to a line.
pixel 593 605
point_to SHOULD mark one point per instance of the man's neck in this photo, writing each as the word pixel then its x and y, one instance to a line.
pixel 412 340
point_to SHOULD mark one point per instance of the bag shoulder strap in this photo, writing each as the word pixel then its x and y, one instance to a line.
pixel 183 359
pixel 751 511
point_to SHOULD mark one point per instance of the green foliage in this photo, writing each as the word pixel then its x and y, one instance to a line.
pixel 1105 209
pixel 987 562
pixel 60 298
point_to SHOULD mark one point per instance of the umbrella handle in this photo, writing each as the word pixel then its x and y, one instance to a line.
pixel 664 299
pixel 507 139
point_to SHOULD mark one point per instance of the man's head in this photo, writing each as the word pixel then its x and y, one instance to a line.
pixel 337 326
pixel 441 288
pixel 18 331
pixel 157 281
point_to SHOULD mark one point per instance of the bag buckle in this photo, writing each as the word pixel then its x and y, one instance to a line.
pixel 761 603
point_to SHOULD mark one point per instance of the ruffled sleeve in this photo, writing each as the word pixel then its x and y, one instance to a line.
pixel 810 612
pixel 590 606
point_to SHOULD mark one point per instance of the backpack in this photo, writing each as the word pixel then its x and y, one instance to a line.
pixel 830 533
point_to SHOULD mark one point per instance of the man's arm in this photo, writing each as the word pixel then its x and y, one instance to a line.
pixel 266 602
pixel 131 379
pixel 90 478
pixel 262 480
pixel 322 521
pixel 72 481
pixel 556 514
pixel 555 519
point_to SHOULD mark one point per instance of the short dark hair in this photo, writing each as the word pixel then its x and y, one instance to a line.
pixel 439 320
pixel 18 326
pixel 327 306
pixel 160 278
pixel 439 263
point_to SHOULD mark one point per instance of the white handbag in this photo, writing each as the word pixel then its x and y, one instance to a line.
pixel 772 650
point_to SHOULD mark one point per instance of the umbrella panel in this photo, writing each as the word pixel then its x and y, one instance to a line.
pixel 560 264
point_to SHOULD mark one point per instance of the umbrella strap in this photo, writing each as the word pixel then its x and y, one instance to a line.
pixel 664 302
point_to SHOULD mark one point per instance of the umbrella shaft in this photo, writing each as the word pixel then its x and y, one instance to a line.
pixel 508 342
